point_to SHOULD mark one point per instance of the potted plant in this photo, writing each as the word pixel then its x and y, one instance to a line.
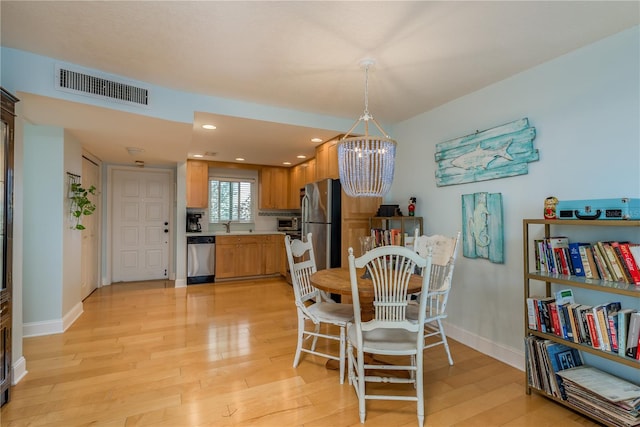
pixel 80 203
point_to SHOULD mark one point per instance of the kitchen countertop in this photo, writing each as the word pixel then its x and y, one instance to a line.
pixel 233 233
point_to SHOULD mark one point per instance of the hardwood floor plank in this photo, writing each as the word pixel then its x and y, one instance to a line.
pixel 147 354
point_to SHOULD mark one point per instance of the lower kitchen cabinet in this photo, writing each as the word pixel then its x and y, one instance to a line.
pixel 247 256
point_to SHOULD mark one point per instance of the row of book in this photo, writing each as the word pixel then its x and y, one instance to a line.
pixel 607 327
pixel 610 261
pixel 558 370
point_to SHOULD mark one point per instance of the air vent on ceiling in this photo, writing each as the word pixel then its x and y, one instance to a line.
pixel 100 87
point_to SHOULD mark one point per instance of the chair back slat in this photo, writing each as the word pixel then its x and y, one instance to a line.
pixel 302 265
pixel 390 269
pixel 444 253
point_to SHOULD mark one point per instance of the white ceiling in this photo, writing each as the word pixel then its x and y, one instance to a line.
pixel 292 54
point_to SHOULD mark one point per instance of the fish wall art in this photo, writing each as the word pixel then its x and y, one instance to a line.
pixel 482 226
pixel 498 152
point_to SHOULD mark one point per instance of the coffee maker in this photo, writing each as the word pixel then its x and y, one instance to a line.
pixel 193 222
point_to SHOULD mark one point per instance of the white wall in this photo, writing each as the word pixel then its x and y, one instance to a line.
pixel 585 108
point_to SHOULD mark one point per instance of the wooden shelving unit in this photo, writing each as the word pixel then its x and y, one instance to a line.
pixel 608 289
pixel 406 224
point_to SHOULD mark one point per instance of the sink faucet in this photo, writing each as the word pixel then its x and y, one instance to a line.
pixel 227 226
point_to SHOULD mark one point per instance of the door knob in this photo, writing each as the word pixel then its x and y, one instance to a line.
pixel 166 230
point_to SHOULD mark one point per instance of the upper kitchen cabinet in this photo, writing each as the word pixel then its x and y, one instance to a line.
pixel 274 186
pixel 296 182
pixel 197 184
pixel 327 160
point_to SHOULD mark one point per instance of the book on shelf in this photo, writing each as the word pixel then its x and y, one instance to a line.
pixel 545 359
pixel 612 317
pixel 629 260
pixel 600 259
pixel 612 262
pixel 633 335
pixel 576 258
pixel 533 315
pixel 624 317
pixel 595 274
pixel 602 326
pixel 575 327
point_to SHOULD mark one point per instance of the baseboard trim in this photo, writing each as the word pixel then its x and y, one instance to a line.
pixel 180 283
pixel 51 327
pixel 502 353
pixel 18 370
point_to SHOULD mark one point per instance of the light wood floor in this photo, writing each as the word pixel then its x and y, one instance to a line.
pixel 219 355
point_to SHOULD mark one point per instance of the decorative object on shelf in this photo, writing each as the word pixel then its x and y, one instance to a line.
pixel 482 226
pixel 623 208
pixel 80 203
pixel 498 152
pixel 412 206
pixel 366 163
pixel 550 207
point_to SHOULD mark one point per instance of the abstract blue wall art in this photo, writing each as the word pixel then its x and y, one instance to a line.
pixel 498 152
pixel 482 227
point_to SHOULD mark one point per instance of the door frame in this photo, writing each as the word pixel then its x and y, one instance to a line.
pixel 99 216
pixel 111 169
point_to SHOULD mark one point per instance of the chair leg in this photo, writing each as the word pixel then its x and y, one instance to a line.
pixel 342 354
pixel 445 342
pixel 420 388
pixel 350 362
pixel 296 359
pixel 361 386
pixel 315 338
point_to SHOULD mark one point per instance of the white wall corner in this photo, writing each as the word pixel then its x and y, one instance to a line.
pixel 18 370
pixel 72 316
pixel 508 355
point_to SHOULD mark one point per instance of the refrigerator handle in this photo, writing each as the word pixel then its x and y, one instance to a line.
pixel 305 215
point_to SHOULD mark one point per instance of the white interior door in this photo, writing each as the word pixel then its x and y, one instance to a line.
pixel 90 235
pixel 140 215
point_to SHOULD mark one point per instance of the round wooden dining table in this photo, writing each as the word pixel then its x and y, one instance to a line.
pixel 338 281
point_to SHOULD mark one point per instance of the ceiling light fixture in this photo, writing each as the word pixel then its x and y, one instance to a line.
pixel 366 163
pixel 198 156
pixel 240 159
pixel 316 140
pixel 301 156
pixel 211 127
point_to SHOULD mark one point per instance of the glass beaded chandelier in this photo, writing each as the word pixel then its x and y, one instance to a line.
pixel 366 163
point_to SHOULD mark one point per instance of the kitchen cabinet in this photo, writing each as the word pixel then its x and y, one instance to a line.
pixel 296 182
pixel 271 254
pixel 327 160
pixel 274 183
pixel 310 171
pixel 7 102
pixel 355 222
pixel 197 184
pixel 239 256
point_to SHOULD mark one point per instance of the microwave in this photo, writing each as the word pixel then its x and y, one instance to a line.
pixel 290 223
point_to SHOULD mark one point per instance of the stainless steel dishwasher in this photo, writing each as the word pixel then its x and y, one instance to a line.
pixel 201 259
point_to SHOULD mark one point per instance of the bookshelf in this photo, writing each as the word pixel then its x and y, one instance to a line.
pixel 607 290
pixel 405 224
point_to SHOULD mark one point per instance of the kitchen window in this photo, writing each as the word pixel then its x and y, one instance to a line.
pixel 231 199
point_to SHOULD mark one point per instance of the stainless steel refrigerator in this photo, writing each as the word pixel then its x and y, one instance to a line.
pixel 321 217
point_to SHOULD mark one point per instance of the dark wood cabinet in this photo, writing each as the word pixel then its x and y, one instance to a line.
pixel 8 102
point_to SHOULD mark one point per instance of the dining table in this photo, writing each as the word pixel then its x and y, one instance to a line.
pixel 338 281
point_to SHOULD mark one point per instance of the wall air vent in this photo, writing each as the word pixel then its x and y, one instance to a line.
pixel 100 87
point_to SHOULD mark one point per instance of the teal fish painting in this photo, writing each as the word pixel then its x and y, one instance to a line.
pixel 480 158
pixel 498 152
pixel 482 226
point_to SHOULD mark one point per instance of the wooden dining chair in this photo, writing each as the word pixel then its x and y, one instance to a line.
pixel 444 252
pixel 312 307
pixel 390 334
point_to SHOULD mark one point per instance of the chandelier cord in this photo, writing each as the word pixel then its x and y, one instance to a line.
pixel 366 116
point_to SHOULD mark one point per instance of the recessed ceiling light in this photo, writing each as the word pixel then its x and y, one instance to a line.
pixel 198 155
pixel 286 163
pixel 301 156
pixel 316 140
pixel 240 159
pixel 208 126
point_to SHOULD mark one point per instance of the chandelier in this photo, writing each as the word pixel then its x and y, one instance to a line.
pixel 366 162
